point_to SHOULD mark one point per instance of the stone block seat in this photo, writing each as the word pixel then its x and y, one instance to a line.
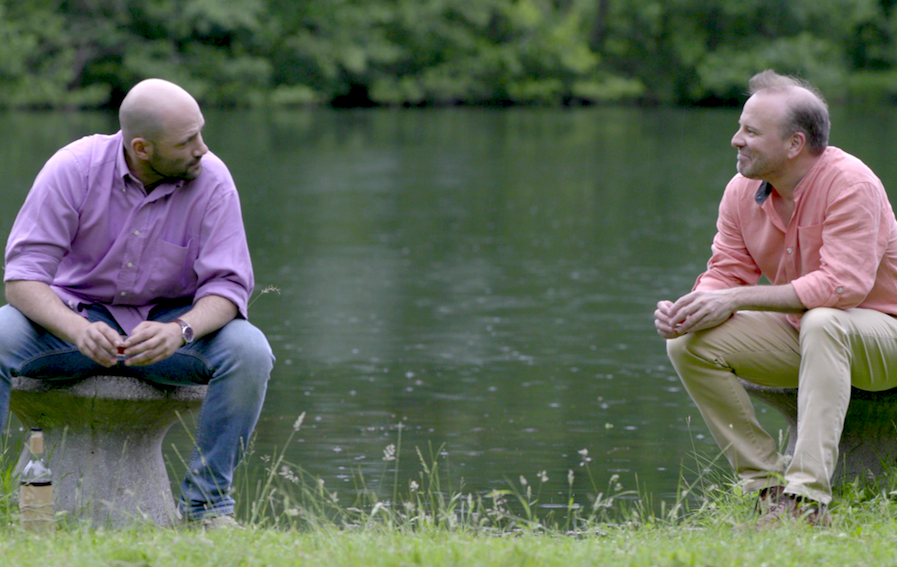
pixel 869 441
pixel 104 444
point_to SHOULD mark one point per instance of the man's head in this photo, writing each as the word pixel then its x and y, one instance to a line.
pixel 162 132
pixel 806 112
pixel 784 122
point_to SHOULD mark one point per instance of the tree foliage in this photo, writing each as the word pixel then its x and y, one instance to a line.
pixel 87 53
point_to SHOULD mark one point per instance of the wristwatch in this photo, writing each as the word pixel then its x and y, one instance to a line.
pixel 186 331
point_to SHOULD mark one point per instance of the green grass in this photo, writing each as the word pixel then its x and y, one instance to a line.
pixel 292 519
pixel 871 544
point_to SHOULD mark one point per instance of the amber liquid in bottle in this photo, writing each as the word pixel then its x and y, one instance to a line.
pixel 36 489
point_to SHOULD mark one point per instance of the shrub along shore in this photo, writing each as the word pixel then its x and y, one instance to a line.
pixel 80 54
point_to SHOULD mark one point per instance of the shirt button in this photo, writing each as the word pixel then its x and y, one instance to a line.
pixel 136 233
pixel 788 250
pixel 839 289
pixel 130 264
pixel 124 293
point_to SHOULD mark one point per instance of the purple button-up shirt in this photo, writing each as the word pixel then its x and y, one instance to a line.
pixel 90 231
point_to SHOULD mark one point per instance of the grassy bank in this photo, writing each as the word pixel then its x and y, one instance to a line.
pixel 867 545
pixel 292 519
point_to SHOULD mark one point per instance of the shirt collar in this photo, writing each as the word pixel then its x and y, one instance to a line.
pixel 763 192
pixel 765 188
pixel 121 163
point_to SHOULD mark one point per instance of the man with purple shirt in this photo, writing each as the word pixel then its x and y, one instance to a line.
pixel 133 243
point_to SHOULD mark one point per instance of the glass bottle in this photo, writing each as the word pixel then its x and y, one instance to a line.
pixel 36 489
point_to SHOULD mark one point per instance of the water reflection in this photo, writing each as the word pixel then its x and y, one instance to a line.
pixel 483 279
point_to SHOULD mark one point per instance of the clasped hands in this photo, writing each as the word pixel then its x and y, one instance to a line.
pixel 692 312
pixel 150 342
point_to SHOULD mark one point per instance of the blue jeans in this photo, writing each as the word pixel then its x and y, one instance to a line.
pixel 235 362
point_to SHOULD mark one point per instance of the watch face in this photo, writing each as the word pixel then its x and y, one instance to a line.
pixel 186 331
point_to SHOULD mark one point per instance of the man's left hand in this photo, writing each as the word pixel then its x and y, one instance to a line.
pixel 700 310
pixel 152 342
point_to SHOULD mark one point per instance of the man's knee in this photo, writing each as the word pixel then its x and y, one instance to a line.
pixel 821 321
pixel 245 343
pixel 687 348
pixel 677 348
pixel 15 330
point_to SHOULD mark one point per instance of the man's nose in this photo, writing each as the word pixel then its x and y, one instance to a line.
pixel 201 148
pixel 737 140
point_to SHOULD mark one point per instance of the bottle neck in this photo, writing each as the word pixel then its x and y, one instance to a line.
pixel 36 444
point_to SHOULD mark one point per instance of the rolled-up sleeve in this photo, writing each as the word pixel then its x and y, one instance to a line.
pixel 841 256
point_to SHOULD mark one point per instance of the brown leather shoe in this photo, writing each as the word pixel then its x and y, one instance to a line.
pixel 793 508
pixel 768 499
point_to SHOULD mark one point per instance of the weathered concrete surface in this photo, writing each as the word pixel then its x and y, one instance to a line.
pixel 104 444
pixel 869 440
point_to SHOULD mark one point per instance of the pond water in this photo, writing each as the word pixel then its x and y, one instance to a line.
pixel 477 284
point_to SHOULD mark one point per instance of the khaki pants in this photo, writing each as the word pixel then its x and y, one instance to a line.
pixel 833 350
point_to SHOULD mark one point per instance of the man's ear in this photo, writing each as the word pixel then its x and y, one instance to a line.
pixel 796 144
pixel 142 148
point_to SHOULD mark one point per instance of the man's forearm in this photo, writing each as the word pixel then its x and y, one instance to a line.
pixel 209 314
pixel 781 298
pixel 37 301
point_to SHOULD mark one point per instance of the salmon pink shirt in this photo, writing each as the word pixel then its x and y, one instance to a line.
pixel 839 249
pixel 92 232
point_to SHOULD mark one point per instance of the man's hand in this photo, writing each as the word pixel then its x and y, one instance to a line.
pixel 695 311
pixel 663 321
pixel 701 310
pixel 99 342
pixel 152 342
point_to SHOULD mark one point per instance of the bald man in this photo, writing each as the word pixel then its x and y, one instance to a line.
pixel 129 257
pixel 817 223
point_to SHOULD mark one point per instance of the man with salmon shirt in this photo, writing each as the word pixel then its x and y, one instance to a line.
pixel 132 244
pixel 816 222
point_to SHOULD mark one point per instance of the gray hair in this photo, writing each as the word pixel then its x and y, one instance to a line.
pixel 806 114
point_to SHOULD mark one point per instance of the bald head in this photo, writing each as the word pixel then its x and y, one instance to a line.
pixel 162 133
pixel 805 112
pixel 153 108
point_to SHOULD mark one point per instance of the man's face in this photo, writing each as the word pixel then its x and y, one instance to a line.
pixel 177 154
pixel 762 151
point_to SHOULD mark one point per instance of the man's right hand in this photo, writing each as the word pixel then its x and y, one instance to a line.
pixel 99 342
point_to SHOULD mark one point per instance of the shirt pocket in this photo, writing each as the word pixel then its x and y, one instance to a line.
pixel 809 244
pixel 172 273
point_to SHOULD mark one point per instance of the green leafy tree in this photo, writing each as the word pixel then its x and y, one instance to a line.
pixel 39 62
pixel 702 50
pixel 77 53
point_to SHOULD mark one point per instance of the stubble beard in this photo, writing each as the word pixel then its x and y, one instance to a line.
pixel 189 173
pixel 754 169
